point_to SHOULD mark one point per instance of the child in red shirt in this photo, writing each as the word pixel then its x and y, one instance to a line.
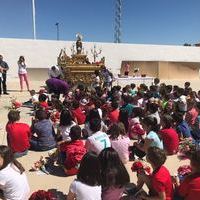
pixel 169 135
pixel 113 115
pixel 189 189
pixel 18 134
pixel 43 101
pixel 159 183
pixel 73 150
pixel 78 114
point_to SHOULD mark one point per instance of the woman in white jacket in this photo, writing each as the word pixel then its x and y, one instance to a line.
pixel 22 72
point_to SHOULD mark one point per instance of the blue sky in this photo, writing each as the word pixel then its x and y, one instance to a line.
pixel 143 21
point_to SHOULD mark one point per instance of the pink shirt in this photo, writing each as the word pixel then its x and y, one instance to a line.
pixel 121 145
pixel 191 116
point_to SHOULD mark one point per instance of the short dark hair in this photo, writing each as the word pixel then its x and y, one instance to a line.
pixel 75 133
pixel 32 92
pixel 13 116
pixel 177 117
pixel 123 117
pixel 113 171
pixel 42 97
pixel 40 114
pixel 156 80
pixel 53 68
pixel 94 113
pixel 156 156
pixel 137 112
pixel 89 170
pixel 167 121
pixel 187 84
pixel 152 107
pixel 133 85
pixel 195 158
pixel 75 104
pixel 114 105
pixel 95 124
pixel 198 105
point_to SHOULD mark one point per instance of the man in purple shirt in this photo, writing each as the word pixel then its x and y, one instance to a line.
pixel 57 86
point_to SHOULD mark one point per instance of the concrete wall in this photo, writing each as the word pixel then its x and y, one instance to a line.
pixel 43 53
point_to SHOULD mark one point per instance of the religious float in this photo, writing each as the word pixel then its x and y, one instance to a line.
pixel 77 68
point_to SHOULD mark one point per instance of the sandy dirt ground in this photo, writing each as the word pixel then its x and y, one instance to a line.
pixel 58 182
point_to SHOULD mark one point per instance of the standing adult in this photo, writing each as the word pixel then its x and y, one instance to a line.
pixel 5 68
pixel 57 86
pixel 55 72
pixel 22 72
pixel 107 77
pixel 127 69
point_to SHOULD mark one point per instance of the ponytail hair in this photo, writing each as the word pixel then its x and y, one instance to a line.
pixel 8 157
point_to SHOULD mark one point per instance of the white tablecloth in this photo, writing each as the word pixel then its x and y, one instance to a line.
pixel 122 81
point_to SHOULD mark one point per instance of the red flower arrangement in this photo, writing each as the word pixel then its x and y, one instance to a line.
pixel 186 147
pixel 14 103
pixel 140 167
pixel 42 195
pixel 184 170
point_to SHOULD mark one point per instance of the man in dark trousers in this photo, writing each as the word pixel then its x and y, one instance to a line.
pixel 5 68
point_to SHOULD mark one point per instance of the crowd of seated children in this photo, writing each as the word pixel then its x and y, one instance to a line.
pixel 157 117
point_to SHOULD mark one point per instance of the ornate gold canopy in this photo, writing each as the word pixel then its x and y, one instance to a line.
pixel 78 68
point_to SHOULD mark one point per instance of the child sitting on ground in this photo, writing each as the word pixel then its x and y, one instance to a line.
pixel 189 188
pixel 159 182
pixel 135 127
pixel 120 141
pixel 114 175
pixel 18 134
pixel 43 101
pixel 78 114
pixel 73 151
pixel 87 185
pixel 32 101
pixel 13 180
pixel 181 126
